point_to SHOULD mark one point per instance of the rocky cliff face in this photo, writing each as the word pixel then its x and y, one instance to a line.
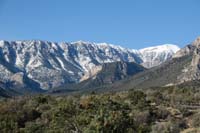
pixel 192 71
pixel 53 64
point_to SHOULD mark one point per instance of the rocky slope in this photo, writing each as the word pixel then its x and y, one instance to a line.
pixel 192 71
pixel 49 65
pixel 108 74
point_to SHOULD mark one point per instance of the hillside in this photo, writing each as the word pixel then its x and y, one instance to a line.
pixel 157 110
pixel 110 73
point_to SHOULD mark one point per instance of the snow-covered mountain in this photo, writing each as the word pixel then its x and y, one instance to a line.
pixel 53 64
pixel 154 56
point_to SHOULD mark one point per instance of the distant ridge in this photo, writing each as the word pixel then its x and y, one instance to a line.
pixel 51 64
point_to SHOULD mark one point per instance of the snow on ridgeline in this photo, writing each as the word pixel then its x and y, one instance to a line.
pixel 154 56
pixel 53 64
pixel 161 48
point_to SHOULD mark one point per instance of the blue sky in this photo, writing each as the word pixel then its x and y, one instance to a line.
pixel 129 23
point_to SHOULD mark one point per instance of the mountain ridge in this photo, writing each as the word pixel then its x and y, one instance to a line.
pixel 53 64
pixel 184 67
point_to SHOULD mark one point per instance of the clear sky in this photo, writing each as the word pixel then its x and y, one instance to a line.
pixel 129 23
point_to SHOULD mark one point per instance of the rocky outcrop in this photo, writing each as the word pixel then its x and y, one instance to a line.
pixel 192 71
pixel 91 73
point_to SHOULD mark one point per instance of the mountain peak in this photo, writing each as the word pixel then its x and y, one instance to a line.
pixel 197 42
pixel 81 42
pixel 155 55
pixel 188 49
pixel 161 48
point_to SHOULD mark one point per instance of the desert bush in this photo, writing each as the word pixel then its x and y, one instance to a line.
pixel 121 112
pixel 196 120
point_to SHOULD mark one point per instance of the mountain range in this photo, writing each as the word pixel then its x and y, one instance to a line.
pixel 182 68
pixel 41 65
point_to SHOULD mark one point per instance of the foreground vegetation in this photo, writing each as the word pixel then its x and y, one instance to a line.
pixel 156 110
